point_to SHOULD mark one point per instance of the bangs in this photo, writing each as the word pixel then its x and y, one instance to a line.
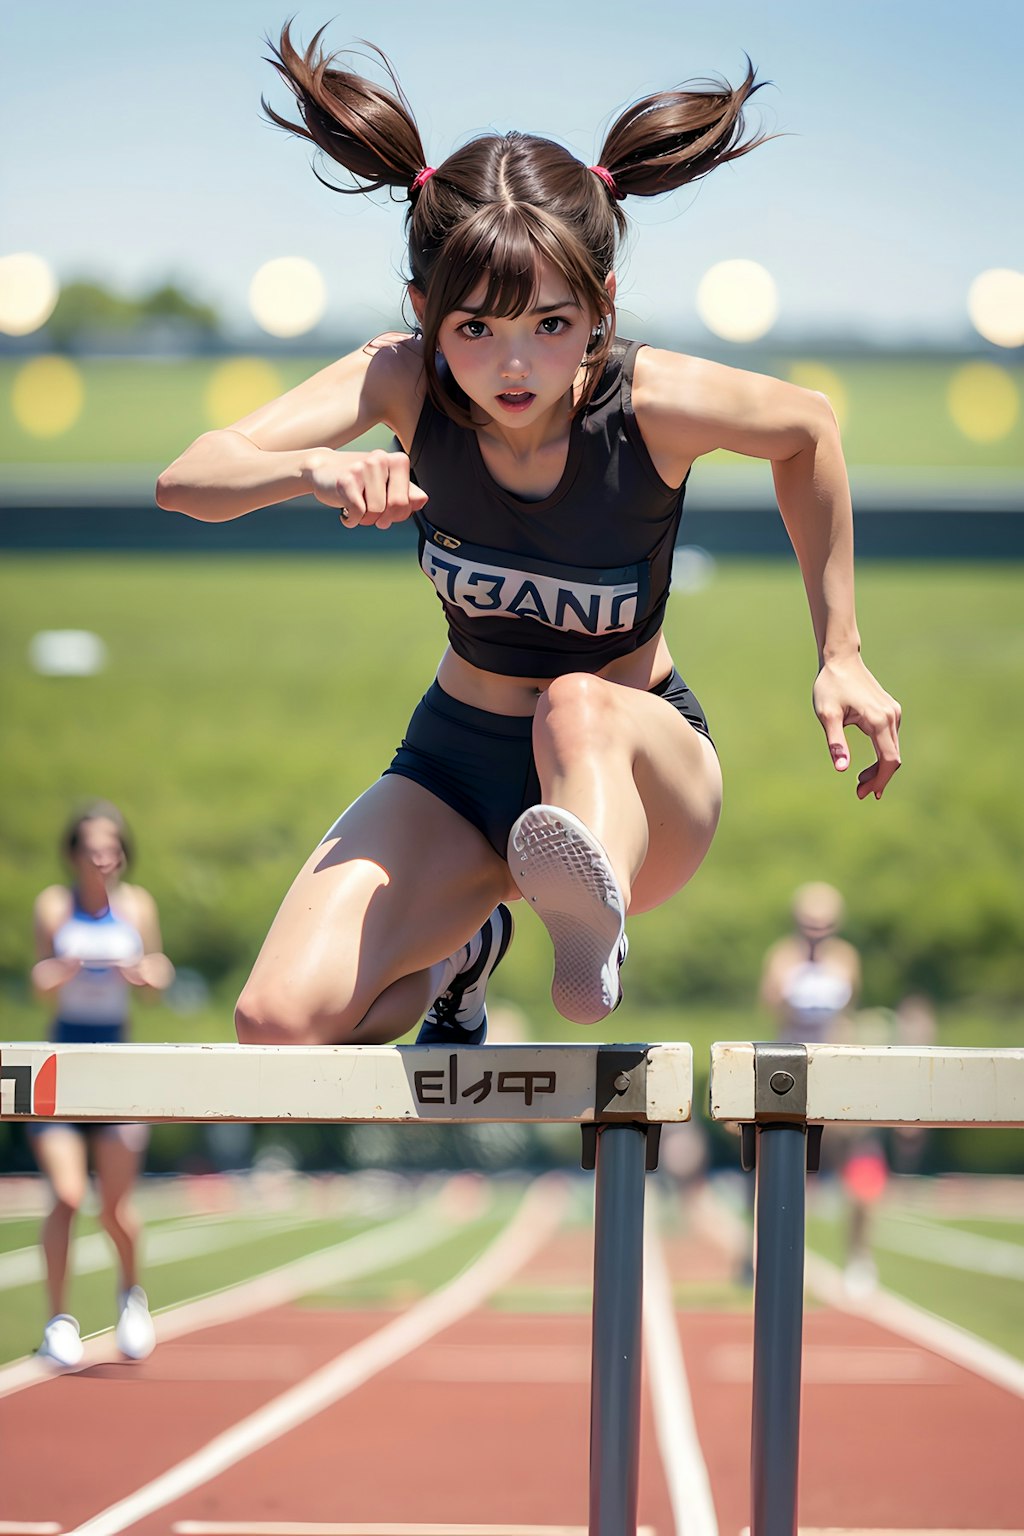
pixel 504 247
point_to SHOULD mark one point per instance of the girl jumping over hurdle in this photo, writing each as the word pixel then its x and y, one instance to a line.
pixel 558 755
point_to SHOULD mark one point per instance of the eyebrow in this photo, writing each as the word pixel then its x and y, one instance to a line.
pixel 540 309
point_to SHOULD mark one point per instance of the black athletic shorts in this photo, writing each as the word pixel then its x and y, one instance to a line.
pixel 481 764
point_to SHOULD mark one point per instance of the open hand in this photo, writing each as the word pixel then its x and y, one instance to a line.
pixel 845 693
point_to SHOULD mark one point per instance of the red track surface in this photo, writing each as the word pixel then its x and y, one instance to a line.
pixel 488 1422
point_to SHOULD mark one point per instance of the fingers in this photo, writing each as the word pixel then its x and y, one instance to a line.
pixel 376 489
pixel 887 747
pixel 832 725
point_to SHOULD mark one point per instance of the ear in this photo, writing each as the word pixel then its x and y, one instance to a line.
pixel 418 301
pixel 611 283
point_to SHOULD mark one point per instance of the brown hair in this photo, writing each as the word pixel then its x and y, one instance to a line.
pixel 502 204
pixel 96 810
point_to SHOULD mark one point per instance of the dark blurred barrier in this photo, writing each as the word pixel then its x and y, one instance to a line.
pixel 884 532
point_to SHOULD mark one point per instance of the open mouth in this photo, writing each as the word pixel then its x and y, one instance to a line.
pixel 516 399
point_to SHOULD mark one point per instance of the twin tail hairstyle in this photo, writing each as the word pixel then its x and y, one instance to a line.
pixel 503 204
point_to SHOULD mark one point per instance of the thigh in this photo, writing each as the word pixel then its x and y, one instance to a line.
pixel 117 1159
pixel 679 780
pixel 398 883
pixel 62 1156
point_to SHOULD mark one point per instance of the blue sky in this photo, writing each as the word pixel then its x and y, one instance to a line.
pixel 135 151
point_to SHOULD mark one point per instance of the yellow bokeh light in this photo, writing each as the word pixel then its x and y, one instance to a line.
pixel 47 396
pixel 28 293
pixel 995 303
pixel 287 296
pixel 983 401
pixel 816 376
pixel 738 300
pixel 237 387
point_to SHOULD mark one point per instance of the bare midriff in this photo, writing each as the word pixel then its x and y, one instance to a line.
pixel 501 695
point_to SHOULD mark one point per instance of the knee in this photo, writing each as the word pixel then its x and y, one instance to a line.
pixel 116 1214
pixel 263 1018
pixel 67 1198
pixel 575 710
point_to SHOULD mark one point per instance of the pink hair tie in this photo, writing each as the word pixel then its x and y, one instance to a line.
pixel 606 176
pixel 421 178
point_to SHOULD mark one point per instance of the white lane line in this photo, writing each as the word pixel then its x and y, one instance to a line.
pixel 361 1255
pixel 885 1308
pixel 390 1528
pixel 955 1249
pixel 24 1266
pixel 30 1528
pixel 924 1328
pixel 535 1220
pixel 686 1474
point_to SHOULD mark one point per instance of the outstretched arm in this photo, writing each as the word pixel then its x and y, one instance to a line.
pixel 687 407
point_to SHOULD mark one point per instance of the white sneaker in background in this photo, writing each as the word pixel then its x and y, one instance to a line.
pixel 860 1278
pixel 62 1345
pixel 134 1335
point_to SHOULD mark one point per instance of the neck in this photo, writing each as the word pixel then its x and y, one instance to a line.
pixel 94 891
pixel 549 430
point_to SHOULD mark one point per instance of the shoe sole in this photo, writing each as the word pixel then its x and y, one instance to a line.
pixel 564 873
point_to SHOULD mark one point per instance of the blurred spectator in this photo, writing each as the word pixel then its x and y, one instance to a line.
pixel 96 938
pixel 810 977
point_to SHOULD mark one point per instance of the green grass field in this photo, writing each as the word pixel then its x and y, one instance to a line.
pixel 896 412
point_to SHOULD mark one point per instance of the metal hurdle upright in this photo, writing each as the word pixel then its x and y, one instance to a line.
pixel 619 1094
pixel 782 1097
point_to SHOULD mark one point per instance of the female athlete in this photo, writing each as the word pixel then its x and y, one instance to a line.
pixel 96 939
pixel 557 756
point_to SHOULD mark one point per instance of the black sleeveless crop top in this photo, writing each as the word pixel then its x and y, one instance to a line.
pixel 565 584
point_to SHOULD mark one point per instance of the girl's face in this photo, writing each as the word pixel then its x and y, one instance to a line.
pixel 98 849
pixel 519 367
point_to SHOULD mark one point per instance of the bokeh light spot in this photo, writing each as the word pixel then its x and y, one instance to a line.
pixel 67 653
pixel 983 401
pixel 287 296
pixel 812 375
pixel 237 387
pixel 28 293
pixel 995 303
pixel 47 396
pixel 738 300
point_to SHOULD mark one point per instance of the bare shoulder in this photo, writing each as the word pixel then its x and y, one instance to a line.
pixel 135 903
pixel 664 379
pixel 689 406
pixel 395 380
pixel 52 907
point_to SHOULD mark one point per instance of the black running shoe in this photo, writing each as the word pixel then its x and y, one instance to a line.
pixel 459 1016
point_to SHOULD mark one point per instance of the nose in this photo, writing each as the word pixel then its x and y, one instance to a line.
pixel 515 366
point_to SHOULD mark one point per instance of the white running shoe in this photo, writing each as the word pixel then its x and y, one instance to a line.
pixel 62 1345
pixel 860 1278
pixel 566 876
pixel 134 1335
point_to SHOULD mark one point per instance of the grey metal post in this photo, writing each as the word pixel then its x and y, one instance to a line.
pixel 618 1302
pixel 778 1323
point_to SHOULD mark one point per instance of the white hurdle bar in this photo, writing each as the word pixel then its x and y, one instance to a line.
pixel 619 1095
pixel 781 1097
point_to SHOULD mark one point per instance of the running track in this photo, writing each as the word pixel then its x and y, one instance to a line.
pixel 477 1422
